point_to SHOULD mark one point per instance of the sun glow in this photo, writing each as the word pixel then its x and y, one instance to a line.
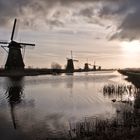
pixel 133 46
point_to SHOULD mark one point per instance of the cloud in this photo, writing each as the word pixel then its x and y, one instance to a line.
pixel 124 14
pixel 130 26
pixel 31 10
pixel 54 22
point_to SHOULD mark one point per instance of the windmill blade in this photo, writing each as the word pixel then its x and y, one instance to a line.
pixel 75 60
pixel 2 42
pixel 71 55
pixel 90 65
pixel 13 31
pixel 23 52
pixel 27 44
pixel 4 48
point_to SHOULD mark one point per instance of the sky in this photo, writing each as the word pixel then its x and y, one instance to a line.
pixel 105 31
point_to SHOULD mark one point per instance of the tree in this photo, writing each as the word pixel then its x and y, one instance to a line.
pixel 55 65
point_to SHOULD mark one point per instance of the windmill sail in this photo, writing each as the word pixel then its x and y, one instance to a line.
pixel 13 31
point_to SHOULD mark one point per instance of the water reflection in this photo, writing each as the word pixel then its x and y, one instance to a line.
pixel 71 107
pixel 14 94
pixel 124 125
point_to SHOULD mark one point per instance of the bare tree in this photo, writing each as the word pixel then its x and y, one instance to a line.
pixel 55 65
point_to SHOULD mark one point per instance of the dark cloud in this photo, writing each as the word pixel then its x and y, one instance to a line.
pixel 130 26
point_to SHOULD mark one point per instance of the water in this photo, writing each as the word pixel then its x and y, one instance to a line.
pixel 50 107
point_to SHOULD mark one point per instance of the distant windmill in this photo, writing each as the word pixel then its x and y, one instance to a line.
pixel 95 66
pixel 15 59
pixel 86 67
pixel 70 65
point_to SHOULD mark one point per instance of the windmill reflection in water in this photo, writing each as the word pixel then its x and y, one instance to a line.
pixel 14 94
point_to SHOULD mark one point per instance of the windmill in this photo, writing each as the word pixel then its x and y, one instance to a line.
pixel 70 65
pixel 15 59
pixel 95 66
pixel 86 67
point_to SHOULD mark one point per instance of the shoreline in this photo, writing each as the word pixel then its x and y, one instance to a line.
pixel 42 71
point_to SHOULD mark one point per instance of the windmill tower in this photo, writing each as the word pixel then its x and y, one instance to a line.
pixel 86 67
pixel 70 65
pixel 15 59
pixel 94 66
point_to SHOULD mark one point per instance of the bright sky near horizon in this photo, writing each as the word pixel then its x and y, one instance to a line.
pixel 105 31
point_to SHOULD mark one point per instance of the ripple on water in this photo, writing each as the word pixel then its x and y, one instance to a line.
pixel 49 103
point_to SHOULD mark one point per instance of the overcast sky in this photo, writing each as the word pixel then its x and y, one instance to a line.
pixel 106 31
